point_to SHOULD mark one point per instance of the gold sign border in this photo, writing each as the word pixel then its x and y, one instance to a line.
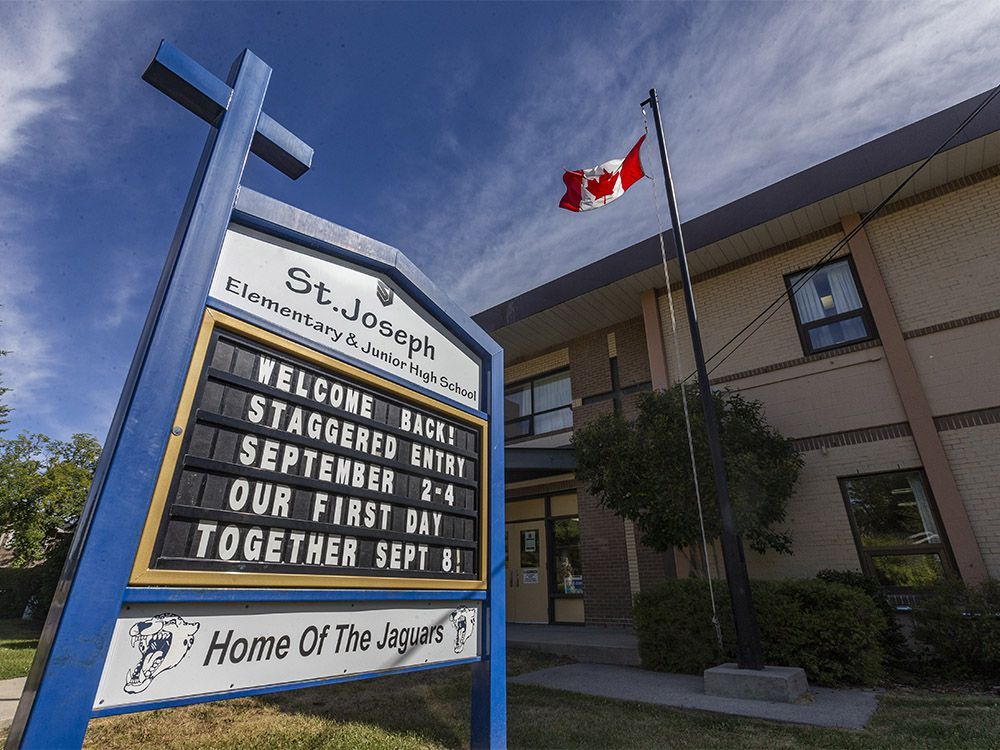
pixel 144 575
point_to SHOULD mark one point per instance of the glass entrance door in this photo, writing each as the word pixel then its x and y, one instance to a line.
pixel 527 573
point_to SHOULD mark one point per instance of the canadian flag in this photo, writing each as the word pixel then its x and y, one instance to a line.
pixel 596 187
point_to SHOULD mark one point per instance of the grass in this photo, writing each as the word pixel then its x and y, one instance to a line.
pixel 430 710
pixel 918 720
pixel 420 710
pixel 18 639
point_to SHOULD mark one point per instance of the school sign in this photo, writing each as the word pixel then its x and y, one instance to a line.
pixel 303 482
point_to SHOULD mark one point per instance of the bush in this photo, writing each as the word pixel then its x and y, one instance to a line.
pixel 17 587
pixel 674 625
pixel 893 641
pixel 49 573
pixel 960 627
pixel 832 631
pixel 33 587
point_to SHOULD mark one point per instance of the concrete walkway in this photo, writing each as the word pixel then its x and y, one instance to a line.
pixel 589 643
pixel 840 709
pixel 10 693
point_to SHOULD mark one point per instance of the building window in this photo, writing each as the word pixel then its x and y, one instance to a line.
pixel 538 406
pixel 896 529
pixel 830 308
pixel 567 568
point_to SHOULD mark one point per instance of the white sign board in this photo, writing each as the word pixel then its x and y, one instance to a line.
pixel 346 309
pixel 160 652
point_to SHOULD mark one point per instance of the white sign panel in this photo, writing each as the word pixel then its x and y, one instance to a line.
pixel 159 652
pixel 345 309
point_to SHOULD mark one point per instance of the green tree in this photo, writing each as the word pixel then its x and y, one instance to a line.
pixel 641 470
pixel 43 486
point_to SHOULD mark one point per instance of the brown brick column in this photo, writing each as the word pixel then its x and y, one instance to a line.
pixel 970 562
pixel 607 598
pixel 636 365
pixel 654 340
pixel 677 565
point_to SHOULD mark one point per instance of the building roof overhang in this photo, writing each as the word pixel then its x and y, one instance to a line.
pixel 608 291
pixel 522 464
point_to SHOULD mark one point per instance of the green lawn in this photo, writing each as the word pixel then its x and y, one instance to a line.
pixel 430 710
pixel 18 639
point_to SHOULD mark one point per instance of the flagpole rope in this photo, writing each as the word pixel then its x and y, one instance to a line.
pixel 684 401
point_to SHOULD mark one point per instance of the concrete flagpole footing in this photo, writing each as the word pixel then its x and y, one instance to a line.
pixel 775 684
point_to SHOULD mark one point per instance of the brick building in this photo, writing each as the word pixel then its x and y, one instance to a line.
pixel 884 368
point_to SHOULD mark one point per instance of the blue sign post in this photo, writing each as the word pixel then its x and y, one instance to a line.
pixel 303 481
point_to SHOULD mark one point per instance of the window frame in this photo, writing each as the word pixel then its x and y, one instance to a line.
pixel 550 524
pixel 803 328
pixel 865 554
pixel 530 417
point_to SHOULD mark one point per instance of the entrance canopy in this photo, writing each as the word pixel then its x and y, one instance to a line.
pixel 523 464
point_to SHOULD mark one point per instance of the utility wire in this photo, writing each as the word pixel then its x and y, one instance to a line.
pixel 781 299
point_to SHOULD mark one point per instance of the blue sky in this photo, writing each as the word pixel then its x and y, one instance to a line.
pixel 442 129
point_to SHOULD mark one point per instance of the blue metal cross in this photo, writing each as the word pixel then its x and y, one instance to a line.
pixel 58 696
pixel 194 88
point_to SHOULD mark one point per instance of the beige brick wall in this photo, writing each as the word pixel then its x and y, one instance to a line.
pixel 806 399
pixel 974 454
pixel 817 517
pixel 841 393
pixel 939 258
pixel 536 366
pixel 959 369
pixel 941 261
pixel 729 301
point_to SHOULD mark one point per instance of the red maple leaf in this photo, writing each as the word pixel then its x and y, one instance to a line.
pixel 604 185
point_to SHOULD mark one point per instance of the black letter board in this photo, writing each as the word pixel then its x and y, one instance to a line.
pixel 292 464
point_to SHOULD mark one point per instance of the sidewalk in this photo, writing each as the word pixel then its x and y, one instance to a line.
pixel 590 643
pixel 10 693
pixel 839 709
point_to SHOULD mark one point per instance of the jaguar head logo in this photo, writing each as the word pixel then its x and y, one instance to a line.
pixel 163 641
pixel 464 620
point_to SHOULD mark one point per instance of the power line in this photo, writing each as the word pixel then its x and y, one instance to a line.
pixel 778 301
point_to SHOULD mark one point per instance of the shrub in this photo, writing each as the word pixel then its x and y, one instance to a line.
pixel 17 587
pixel 49 573
pixel 960 626
pixel 674 625
pixel 893 641
pixel 832 631
pixel 33 588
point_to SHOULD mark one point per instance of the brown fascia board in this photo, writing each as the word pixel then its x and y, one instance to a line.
pixel 908 145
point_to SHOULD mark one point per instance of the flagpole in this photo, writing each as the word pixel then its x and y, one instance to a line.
pixel 748 649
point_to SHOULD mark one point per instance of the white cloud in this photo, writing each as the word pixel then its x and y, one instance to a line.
pixel 29 365
pixel 750 93
pixel 39 44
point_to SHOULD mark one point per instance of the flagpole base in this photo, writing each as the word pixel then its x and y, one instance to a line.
pixel 773 684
